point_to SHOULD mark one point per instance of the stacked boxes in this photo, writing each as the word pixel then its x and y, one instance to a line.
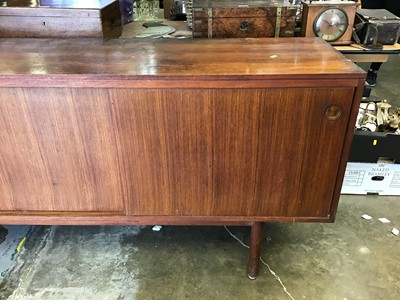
pixel 374 164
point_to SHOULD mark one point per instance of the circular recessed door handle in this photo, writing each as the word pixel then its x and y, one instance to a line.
pixel 333 112
pixel 244 25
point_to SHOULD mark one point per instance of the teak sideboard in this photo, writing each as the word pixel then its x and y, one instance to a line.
pixel 174 132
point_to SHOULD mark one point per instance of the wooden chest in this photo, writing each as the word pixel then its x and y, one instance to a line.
pixel 57 18
pixel 189 132
pixel 234 19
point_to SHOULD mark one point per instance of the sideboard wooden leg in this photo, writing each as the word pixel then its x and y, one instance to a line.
pixel 255 247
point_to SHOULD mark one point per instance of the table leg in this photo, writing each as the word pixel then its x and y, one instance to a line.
pixel 255 247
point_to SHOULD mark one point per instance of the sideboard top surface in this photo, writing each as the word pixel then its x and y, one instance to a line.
pixel 235 59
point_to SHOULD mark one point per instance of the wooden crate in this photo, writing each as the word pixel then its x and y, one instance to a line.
pixel 55 18
pixel 233 19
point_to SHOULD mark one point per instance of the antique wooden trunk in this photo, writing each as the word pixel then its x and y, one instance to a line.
pixel 233 19
pixel 55 18
pixel 202 131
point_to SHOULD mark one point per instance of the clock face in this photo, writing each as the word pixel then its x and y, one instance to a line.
pixel 331 24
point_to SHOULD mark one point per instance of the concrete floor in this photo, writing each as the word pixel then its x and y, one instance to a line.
pixel 388 83
pixel 350 259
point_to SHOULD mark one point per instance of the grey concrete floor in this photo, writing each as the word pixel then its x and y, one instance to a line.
pixel 388 83
pixel 350 259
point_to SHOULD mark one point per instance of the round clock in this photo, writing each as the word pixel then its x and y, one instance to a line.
pixel 331 24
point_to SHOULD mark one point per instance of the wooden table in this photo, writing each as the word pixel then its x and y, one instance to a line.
pixel 357 53
pixel 182 132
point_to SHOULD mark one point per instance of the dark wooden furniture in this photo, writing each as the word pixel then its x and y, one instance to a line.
pixel 60 19
pixel 185 132
pixel 239 19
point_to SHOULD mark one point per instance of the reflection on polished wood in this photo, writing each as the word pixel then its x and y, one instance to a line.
pixel 176 133
pixel 191 132
pixel 303 58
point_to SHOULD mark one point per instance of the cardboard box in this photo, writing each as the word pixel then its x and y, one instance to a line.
pixel 370 147
pixel 371 178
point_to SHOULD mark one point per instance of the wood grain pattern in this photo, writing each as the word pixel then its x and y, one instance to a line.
pixel 115 60
pixel 208 135
pixel 265 12
pixel 310 166
pixel 204 153
pixel 58 19
pixel 166 139
pixel 347 145
pixel 128 133
pixel 226 22
pixel 257 159
pixel 231 27
pixel 56 151
pixel 100 218
pixel 196 153
pixel 111 21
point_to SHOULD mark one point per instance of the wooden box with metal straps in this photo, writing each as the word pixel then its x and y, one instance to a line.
pixel 234 19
